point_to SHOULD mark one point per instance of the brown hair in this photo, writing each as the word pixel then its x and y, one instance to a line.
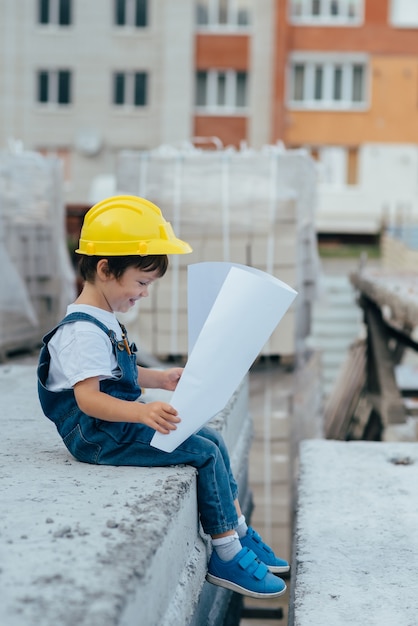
pixel 119 264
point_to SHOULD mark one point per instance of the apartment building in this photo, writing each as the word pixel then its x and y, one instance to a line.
pixel 345 87
pixel 234 48
pixel 84 80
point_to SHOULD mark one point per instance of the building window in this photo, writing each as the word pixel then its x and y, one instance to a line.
pixel 328 83
pixel 56 12
pixel 221 91
pixel 331 12
pixel 130 89
pixel 54 87
pixel 404 13
pixel 223 13
pixel 131 13
pixel 338 83
pixel 318 90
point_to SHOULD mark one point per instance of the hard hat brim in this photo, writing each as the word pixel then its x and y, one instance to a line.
pixel 132 248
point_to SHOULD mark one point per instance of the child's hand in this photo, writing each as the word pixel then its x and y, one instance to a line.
pixel 171 377
pixel 160 416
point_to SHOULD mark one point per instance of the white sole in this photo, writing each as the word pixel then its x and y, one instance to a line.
pixel 221 582
pixel 278 569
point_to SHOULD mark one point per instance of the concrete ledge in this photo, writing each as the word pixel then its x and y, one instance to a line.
pixel 99 545
pixel 356 545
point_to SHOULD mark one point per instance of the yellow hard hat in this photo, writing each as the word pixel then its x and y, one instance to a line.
pixel 128 225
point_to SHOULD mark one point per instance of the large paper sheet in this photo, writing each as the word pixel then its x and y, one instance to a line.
pixel 232 311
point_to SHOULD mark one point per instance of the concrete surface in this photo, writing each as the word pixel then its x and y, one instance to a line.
pixel 396 293
pixel 356 543
pixel 95 545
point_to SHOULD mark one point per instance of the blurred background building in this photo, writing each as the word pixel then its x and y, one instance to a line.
pixel 84 80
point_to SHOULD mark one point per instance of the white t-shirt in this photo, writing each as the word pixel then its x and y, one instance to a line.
pixel 81 350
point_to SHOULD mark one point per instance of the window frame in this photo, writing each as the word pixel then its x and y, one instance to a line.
pixel 232 92
pixel 131 9
pixel 130 85
pixel 52 86
pixel 337 69
pixel 54 9
pixel 232 21
pixel 325 16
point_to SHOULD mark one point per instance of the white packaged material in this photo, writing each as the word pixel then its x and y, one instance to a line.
pixel 38 280
pixel 254 207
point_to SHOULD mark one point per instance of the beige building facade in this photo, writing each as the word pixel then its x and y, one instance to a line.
pixel 85 80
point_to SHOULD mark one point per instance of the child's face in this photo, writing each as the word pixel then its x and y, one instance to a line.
pixel 122 293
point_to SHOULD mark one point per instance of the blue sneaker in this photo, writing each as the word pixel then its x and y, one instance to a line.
pixel 253 541
pixel 245 574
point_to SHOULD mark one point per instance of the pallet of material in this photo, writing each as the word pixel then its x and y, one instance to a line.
pixel 249 207
pixel 39 280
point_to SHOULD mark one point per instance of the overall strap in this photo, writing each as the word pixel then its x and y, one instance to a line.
pixel 79 317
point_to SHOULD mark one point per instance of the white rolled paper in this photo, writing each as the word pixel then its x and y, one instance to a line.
pixel 232 311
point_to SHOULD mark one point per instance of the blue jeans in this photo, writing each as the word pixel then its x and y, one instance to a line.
pixel 124 443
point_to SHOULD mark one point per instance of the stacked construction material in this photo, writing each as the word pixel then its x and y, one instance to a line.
pixel 249 207
pixel 36 277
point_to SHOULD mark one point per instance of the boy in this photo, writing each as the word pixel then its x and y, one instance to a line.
pixel 89 381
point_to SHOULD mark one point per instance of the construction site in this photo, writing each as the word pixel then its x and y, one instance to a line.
pixel 279 139
pixel 243 207
pixel 319 385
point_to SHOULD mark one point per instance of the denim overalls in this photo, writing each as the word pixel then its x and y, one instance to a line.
pixel 125 443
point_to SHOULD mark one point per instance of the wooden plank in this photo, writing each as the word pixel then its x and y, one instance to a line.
pixel 361 419
pixel 344 398
pixel 381 379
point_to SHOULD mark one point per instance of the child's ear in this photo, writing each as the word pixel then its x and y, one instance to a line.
pixel 102 269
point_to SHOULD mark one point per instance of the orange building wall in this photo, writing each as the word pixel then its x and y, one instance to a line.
pixel 230 130
pixel 376 11
pixel 392 116
pixel 222 52
pixel 372 38
pixel 279 71
pixel 393 81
